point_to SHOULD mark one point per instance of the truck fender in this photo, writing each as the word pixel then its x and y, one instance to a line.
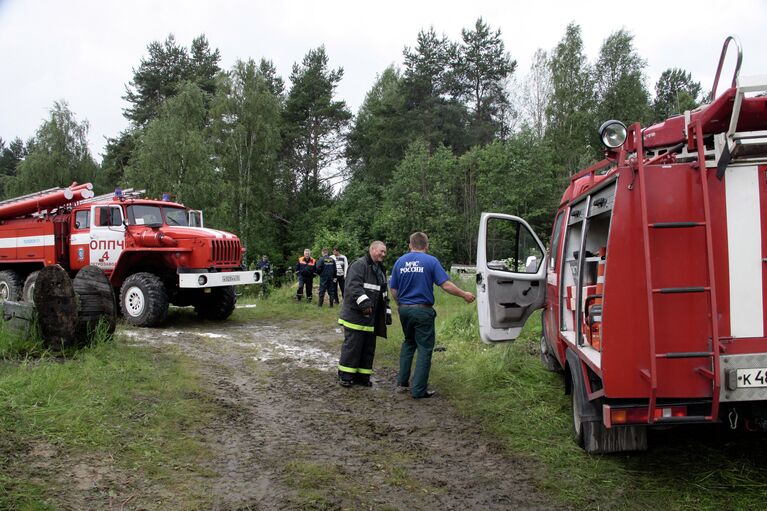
pixel 590 411
pixel 133 259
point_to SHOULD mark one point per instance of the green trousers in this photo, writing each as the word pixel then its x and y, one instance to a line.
pixel 418 327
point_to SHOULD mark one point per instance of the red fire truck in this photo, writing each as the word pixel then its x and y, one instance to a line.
pixel 154 252
pixel 654 288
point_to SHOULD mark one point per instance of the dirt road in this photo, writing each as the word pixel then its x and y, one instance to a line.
pixel 290 437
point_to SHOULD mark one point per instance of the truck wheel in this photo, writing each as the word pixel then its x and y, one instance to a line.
pixel 10 286
pixel 144 300
pixel 28 293
pixel 216 305
pixel 594 437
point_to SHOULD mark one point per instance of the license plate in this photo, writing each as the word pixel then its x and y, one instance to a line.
pixel 749 378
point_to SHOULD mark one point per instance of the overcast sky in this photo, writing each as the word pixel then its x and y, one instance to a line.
pixel 84 52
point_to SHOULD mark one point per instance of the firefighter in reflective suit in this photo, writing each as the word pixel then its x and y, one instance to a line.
pixel 364 315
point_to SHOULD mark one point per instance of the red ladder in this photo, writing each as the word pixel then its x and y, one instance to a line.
pixel 707 287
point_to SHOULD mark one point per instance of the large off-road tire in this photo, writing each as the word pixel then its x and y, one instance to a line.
pixel 144 300
pixel 10 286
pixel 216 305
pixel 28 293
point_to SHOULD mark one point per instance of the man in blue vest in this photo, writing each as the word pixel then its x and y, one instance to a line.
pixel 412 279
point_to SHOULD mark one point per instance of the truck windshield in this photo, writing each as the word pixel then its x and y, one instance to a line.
pixel 175 216
pixel 140 214
pixel 144 215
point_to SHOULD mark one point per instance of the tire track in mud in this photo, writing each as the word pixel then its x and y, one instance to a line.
pixel 289 437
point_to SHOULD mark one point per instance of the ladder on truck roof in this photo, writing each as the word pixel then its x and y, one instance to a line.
pixel 128 193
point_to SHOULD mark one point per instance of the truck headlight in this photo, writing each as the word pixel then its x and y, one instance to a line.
pixel 612 133
pixel 256 277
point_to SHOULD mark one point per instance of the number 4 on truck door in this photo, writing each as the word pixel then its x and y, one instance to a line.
pixel 511 273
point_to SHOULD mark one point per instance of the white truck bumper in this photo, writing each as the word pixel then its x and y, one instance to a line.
pixel 218 279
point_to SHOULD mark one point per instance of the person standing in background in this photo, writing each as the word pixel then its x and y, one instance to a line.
pixel 341 266
pixel 326 269
pixel 305 271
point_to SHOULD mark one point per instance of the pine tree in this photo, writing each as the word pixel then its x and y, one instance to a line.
pixel 314 123
pixel 675 93
pixel 160 76
pixel 429 90
pixel 483 65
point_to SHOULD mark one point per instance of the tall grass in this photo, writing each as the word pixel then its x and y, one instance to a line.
pixel 16 343
pixel 135 405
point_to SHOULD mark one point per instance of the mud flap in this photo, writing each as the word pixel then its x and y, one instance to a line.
pixel 588 429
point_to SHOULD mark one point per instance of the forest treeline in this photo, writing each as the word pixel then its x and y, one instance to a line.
pixel 454 130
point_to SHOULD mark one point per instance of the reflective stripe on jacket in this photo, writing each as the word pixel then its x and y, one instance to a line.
pixel 305 267
pixel 365 287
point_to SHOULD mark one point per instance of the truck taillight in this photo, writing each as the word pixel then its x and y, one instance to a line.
pixel 639 414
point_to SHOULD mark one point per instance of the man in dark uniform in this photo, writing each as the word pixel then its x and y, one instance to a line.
pixel 305 272
pixel 364 315
pixel 412 279
pixel 326 269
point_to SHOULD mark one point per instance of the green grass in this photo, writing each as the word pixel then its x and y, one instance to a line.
pixel 134 405
pixel 507 389
pixel 318 487
pixel 16 343
pixel 282 305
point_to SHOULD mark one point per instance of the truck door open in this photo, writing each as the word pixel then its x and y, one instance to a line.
pixel 511 273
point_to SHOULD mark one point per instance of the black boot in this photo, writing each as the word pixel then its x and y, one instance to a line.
pixel 363 380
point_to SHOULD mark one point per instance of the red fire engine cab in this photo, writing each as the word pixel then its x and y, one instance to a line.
pixel 655 287
pixel 154 252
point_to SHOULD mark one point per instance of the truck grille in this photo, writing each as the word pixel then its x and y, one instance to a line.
pixel 226 252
